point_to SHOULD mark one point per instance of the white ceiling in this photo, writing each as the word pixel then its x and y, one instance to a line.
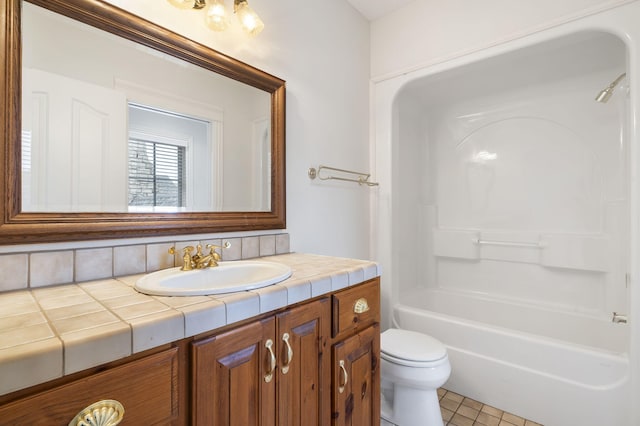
pixel 373 9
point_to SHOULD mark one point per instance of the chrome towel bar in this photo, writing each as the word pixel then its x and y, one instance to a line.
pixel 508 243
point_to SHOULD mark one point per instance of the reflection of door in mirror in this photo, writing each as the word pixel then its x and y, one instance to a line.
pixel 72 131
pixel 262 162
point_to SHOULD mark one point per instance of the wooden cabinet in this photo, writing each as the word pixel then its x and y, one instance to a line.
pixel 355 356
pixel 274 371
pixel 147 388
pixel 312 364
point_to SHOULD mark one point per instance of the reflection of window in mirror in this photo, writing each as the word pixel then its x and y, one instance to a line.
pixel 156 173
pixel 26 170
pixel 172 163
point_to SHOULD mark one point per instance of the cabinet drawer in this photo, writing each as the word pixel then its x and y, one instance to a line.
pixel 356 308
pixel 147 388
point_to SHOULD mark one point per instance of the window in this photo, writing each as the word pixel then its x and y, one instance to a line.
pixel 173 161
pixel 26 170
pixel 156 174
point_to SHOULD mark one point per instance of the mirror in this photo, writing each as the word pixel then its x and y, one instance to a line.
pixel 175 139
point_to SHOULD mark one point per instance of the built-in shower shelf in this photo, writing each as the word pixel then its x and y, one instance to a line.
pixel 572 251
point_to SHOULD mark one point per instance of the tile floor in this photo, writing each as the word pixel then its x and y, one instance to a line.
pixel 458 410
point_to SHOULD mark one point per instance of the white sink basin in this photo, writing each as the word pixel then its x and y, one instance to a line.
pixel 227 277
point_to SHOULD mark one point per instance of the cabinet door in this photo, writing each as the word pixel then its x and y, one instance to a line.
pixel 356 379
pixel 231 382
pixel 304 366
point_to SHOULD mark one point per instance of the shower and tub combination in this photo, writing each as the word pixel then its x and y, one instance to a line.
pixel 507 218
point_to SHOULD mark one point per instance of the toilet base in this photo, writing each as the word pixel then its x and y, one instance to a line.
pixel 411 407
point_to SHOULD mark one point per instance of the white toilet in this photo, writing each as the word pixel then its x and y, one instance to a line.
pixel 413 366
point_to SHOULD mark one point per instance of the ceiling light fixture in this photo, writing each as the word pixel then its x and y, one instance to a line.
pixel 216 16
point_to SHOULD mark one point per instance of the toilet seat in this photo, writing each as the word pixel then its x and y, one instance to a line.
pixel 412 349
pixel 414 364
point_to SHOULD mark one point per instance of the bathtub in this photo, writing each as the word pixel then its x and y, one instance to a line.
pixel 503 355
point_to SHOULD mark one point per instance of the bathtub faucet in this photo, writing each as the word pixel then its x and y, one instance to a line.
pixel 619 318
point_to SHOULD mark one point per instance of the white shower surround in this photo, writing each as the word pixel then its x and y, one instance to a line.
pixel 546 240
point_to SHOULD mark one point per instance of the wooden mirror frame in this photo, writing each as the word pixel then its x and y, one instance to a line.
pixel 17 227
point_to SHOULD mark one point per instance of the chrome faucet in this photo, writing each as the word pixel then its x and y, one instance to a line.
pixel 200 260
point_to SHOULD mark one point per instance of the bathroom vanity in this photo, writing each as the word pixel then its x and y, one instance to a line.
pixel 311 362
pixel 288 365
pixel 303 351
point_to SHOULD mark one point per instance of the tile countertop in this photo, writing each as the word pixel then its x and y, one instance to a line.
pixel 46 333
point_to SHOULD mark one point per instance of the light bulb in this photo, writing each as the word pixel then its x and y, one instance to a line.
pixel 216 17
pixel 249 19
pixel 182 4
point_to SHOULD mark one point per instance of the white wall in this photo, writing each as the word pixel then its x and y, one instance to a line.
pixel 432 31
pixel 321 49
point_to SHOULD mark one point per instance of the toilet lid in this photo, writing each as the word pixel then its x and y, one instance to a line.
pixel 411 346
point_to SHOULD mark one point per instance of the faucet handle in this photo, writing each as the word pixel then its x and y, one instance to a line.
pixel 185 250
pixel 211 247
pixel 216 256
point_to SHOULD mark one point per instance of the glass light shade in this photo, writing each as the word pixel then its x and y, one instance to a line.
pixel 249 20
pixel 216 17
pixel 182 4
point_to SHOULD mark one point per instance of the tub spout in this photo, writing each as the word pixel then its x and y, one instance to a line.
pixel 619 318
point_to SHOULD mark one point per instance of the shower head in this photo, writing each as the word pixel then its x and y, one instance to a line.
pixel 605 94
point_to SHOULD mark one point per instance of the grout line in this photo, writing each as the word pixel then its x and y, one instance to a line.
pixel 460 415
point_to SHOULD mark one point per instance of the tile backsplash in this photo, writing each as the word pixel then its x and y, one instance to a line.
pixel 32 270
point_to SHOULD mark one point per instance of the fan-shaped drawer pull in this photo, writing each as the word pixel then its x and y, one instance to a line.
pixel 107 412
pixel 361 306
